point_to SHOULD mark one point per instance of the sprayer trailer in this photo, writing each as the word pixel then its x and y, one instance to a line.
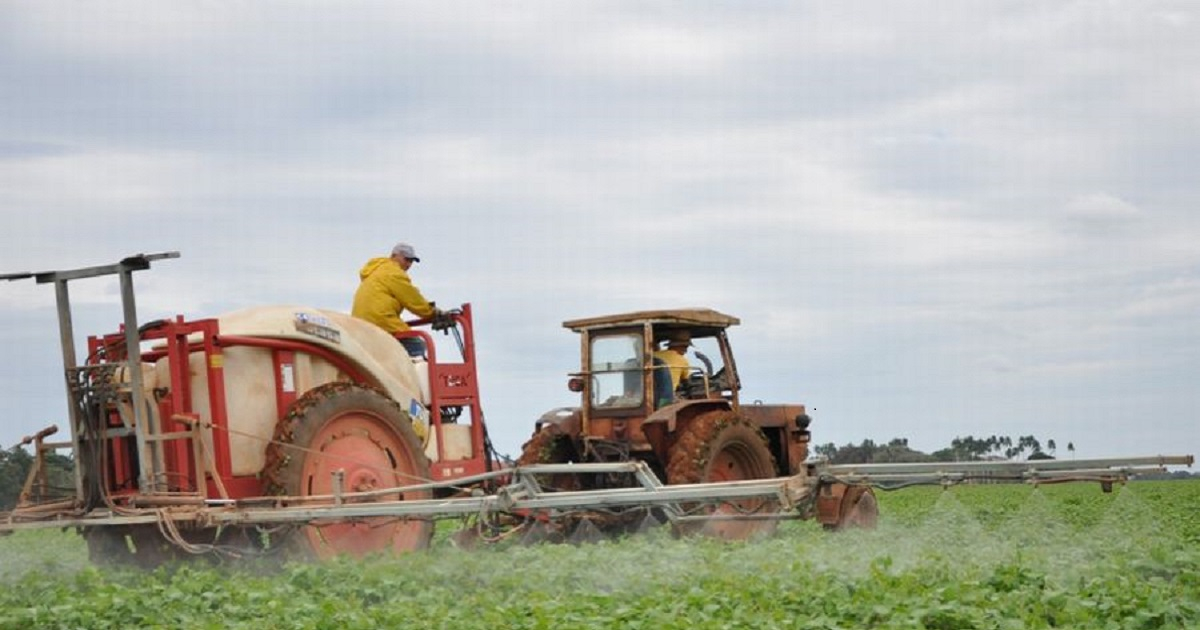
pixel 308 432
pixel 171 415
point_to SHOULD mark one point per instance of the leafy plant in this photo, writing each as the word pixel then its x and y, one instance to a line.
pixel 999 556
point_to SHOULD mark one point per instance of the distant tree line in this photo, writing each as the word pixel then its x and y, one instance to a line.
pixel 961 449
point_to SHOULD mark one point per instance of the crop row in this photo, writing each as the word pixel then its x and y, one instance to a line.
pixel 972 557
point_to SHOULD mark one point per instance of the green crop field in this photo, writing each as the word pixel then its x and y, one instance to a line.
pixel 1010 556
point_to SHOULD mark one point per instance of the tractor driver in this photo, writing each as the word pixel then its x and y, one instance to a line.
pixel 674 364
pixel 386 291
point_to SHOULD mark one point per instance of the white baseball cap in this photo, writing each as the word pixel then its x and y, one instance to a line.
pixel 406 251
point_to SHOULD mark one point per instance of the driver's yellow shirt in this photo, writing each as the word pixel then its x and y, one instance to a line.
pixel 677 365
pixel 384 293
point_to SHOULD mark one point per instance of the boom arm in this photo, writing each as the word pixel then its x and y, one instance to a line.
pixel 523 496
pixel 1038 471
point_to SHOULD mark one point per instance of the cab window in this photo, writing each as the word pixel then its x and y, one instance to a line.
pixel 616 371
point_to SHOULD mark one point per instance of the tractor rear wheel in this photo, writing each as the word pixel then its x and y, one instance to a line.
pixel 346 427
pixel 722 446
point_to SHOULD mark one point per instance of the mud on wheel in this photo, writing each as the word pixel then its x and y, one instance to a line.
pixel 548 446
pixel 722 446
pixel 348 427
pixel 859 509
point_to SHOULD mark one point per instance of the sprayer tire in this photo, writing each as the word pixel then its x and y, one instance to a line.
pixel 722 446
pixel 356 429
pixel 859 509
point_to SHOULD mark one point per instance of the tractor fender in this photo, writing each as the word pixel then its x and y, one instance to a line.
pixel 561 421
pixel 660 427
pixel 671 415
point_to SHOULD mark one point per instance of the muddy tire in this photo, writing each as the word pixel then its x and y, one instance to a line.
pixel 343 426
pixel 548 446
pixel 722 446
pixel 859 509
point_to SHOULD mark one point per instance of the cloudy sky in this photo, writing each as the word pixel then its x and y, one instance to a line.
pixel 935 219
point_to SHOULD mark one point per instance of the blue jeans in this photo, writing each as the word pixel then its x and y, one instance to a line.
pixel 414 345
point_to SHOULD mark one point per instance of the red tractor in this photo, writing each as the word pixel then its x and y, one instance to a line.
pixel 689 430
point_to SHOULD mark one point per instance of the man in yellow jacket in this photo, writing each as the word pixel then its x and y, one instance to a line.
pixel 673 361
pixel 386 292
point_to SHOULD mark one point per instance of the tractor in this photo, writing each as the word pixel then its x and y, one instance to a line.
pixel 690 429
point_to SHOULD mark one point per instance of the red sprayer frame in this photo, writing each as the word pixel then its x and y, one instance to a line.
pixel 453 386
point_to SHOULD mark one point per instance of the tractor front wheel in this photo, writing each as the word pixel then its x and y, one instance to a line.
pixel 368 438
pixel 718 447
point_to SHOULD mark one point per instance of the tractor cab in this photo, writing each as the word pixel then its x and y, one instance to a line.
pixel 628 377
pixel 627 366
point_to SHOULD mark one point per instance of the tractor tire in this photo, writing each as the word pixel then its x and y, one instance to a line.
pixel 343 426
pixel 722 446
pixel 548 446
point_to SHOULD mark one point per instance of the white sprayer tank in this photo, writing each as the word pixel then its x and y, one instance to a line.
pixel 250 380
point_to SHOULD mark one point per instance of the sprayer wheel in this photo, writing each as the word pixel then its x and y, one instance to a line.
pixel 548 446
pixel 722 446
pixel 859 509
pixel 342 426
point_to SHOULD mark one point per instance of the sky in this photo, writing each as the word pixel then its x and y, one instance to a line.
pixel 934 219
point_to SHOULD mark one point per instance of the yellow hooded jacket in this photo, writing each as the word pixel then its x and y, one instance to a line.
pixel 385 292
